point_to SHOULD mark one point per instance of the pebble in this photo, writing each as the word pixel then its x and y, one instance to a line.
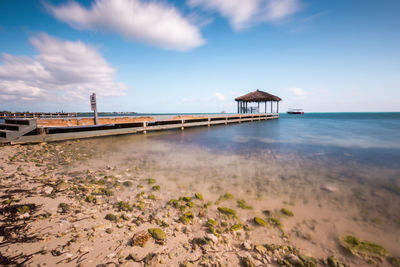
pixel 47 190
pixel 246 245
pixel 212 237
pixel 329 188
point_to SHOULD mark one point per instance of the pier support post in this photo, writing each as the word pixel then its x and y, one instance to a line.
pixel 144 126
pixel 209 120
pixel 182 128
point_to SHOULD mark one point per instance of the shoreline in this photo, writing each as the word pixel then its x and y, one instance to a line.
pixel 72 204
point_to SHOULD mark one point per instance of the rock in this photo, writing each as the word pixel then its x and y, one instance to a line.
pixel 157 233
pixel 329 188
pixel 293 259
pixel 246 245
pixel 260 249
pixel 84 249
pixel 140 238
pixel 212 238
pixel 47 190
pixel 247 262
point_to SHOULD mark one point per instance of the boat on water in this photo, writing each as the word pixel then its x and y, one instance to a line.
pixel 295 111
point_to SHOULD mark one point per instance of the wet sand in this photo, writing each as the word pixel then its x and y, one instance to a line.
pixel 93 202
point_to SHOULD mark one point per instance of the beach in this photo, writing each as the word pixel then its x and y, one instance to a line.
pixel 151 200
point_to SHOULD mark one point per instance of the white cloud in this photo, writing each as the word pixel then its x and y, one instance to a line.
pixel 299 92
pixel 220 96
pixel 62 71
pixel 242 14
pixel 156 23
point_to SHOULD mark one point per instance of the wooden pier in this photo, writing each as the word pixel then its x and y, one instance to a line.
pixel 7 115
pixel 24 130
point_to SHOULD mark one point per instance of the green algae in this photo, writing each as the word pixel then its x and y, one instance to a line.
pixel 157 233
pixel 246 262
pixel 287 212
pixel 364 249
pixel 152 197
pixel 151 181
pixel 127 183
pixel 111 217
pixel 23 209
pixel 174 203
pixel 226 211
pixel 199 196
pixel 395 261
pixel 187 199
pixel 236 227
pixel 91 199
pixel 123 206
pixel 64 207
pixel 275 222
pixel 201 241
pixel 211 222
pixel 156 188
pixel 190 204
pixel 187 217
pixel 243 205
pixel 224 197
pixel 260 221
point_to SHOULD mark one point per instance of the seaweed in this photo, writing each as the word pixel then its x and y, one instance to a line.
pixel 157 233
pixel 364 249
pixel 156 188
pixel 260 221
pixel 226 211
pixel 287 212
pixel 111 217
pixel 199 196
pixel 243 205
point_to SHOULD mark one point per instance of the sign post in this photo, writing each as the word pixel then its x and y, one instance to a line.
pixel 93 105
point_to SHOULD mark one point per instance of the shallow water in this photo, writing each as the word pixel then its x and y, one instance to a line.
pixel 338 173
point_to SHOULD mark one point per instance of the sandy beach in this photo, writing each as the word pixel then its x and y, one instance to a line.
pixel 138 202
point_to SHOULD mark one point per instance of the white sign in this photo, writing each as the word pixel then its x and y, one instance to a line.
pixel 93 101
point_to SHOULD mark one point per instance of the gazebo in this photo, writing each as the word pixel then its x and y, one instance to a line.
pixel 256 97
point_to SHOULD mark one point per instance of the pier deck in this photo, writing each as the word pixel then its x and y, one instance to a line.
pixel 24 131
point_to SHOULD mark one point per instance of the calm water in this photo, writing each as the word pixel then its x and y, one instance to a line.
pixel 372 138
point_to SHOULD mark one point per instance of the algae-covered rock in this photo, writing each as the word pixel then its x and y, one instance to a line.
pixel 287 212
pixel 151 181
pixel 127 183
pixel 157 233
pixel 236 227
pixel 364 249
pixel 275 222
pixel 23 209
pixel 226 196
pixel 246 262
pixel 226 211
pixel 123 206
pixel 186 199
pixel 199 196
pixel 260 221
pixel 91 199
pixel 243 205
pixel 64 207
pixel 187 217
pixel 395 261
pixel 140 238
pixel 111 217
pixel 201 241
pixel 156 188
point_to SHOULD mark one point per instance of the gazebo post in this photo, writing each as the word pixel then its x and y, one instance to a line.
pixel 258 102
pixel 265 105
pixel 271 105
pixel 238 107
pixel 277 107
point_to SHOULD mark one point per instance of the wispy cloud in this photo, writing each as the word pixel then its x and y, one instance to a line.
pixel 314 16
pixel 298 92
pixel 242 14
pixel 159 24
pixel 220 96
pixel 62 71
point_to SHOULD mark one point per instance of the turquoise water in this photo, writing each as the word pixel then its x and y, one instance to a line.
pixel 372 138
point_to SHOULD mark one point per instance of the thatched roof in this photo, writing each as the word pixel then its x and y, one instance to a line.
pixel 258 96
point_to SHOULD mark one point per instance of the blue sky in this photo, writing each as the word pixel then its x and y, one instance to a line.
pixel 198 55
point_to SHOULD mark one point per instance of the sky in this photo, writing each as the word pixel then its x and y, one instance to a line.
pixel 196 56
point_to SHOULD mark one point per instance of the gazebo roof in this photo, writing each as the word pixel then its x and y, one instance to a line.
pixel 258 96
